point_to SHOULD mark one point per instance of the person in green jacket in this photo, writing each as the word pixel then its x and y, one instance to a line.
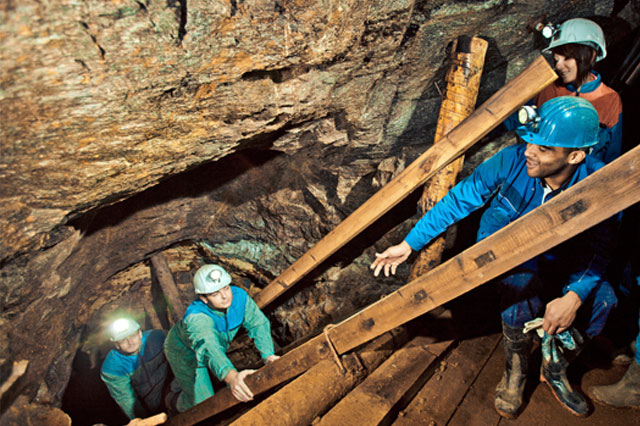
pixel 136 371
pixel 197 344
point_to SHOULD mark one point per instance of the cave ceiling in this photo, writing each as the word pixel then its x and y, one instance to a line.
pixel 249 127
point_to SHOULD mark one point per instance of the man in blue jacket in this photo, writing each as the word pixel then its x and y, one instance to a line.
pixel 197 344
pixel 562 284
pixel 136 372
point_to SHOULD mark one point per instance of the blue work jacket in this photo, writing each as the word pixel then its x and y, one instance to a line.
pixel 502 182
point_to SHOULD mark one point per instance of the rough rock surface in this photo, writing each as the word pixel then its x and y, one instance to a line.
pixel 251 127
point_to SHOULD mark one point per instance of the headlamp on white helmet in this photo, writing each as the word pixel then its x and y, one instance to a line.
pixel 122 328
pixel 210 278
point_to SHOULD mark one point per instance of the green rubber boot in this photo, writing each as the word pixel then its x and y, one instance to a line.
pixel 624 394
pixel 554 369
pixel 517 348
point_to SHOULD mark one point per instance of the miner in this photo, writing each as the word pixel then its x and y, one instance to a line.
pixel 196 345
pixel 565 285
pixel 136 372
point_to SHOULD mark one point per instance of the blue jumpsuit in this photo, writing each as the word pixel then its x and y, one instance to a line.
pixel 578 265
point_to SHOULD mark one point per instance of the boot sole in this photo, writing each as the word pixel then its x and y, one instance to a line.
pixel 542 379
pixel 505 414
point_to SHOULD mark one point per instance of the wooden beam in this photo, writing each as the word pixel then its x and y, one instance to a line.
pixel 441 395
pixel 493 112
pixel 162 272
pixel 594 199
pixel 322 386
pixel 459 100
pixel 399 377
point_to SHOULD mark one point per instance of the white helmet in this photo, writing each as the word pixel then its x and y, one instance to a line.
pixel 122 328
pixel 210 278
pixel 579 31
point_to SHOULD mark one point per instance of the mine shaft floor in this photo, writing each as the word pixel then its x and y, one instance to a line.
pixel 461 390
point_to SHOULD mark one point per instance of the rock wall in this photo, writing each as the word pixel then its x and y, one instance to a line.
pixel 252 126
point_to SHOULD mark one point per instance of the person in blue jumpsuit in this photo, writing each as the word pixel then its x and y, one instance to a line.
pixel 136 372
pixel 566 284
pixel 196 345
pixel 576 46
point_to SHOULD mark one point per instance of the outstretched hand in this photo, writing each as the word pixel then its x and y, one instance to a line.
pixel 239 388
pixel 391 258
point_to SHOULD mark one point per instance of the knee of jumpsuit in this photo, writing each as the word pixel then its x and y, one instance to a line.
pixel 593 314
pixel 196 391
pixel 519 296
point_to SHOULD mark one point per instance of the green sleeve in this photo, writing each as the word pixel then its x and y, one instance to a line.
pixel 258 328
pixel 205 342
pixel 121 391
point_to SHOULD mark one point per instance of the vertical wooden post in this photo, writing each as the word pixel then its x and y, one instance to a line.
pixel 160 268
pixel 459 100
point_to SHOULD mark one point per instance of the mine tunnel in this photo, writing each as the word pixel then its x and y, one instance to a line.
pixel 287 142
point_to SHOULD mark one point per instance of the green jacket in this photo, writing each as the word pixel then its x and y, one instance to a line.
pixel 205 333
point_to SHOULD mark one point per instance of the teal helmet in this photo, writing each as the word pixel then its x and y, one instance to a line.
pixel 565 121
pixel 210 278
pixel 579 31
pixel 122 328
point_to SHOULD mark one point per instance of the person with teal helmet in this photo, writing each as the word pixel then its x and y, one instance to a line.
pixel 136 372
pixel 197 345
pixel 566 285
pixel 576 46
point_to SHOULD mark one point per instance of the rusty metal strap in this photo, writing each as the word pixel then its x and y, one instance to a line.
pixel 336 357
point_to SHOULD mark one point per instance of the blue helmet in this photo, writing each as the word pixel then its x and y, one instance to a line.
pixel 565 121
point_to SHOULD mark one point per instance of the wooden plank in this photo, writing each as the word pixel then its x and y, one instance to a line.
pixel 163 273
pixel 373 400
pixel 599 196
pixel 477 407
pixel 493 112
pixel 460 95
pixel 440 396
pixel 322 386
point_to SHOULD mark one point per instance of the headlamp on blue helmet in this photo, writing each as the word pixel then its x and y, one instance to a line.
pixel 565 121
pixel 547 30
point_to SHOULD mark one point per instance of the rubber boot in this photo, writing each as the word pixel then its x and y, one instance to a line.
pixel 554 372
pixel 517 349
pixel 624 394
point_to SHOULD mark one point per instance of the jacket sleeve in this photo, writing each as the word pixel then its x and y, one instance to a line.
pixel 122 392
pixel 590 255
pixel 609 145
pixel 464 198
pixel 206 344
pixel 258 328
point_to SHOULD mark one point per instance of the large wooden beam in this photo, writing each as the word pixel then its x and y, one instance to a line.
pixel 322 386
pixel 505 101
pixel 458 102
pixel 162 272
pixel 395 381
pixel 594 199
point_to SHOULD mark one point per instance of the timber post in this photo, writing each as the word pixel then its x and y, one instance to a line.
pixel 459 100
pixel 587 203
pixel 489 115
pixel 162 272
